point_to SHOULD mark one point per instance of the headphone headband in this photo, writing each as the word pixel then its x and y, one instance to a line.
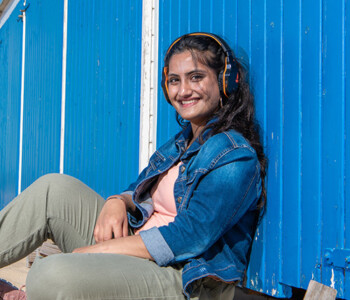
pixel 227 79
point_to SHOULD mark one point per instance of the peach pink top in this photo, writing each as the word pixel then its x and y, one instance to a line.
pixel 162 194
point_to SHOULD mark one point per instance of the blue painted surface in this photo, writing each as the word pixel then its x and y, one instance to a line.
pixel 291 241
pixel 298 61
pixel 346 90
pixel 275 136
pixel 332 167
pixel 103 92
pixel 311 186
pixel 10 99
pixel 42 90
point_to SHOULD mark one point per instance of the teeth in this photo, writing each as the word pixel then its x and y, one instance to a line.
pixel 188 101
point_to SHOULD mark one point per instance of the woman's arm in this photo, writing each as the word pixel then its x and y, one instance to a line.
pixel 129 245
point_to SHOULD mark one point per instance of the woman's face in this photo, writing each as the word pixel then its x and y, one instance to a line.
pixel 193 89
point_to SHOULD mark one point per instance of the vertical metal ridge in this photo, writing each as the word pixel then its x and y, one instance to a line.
pixel 250 41
pixel 265 135
pixel 343 133
pixel 250 38
pixel 281 171
pixel 63 91
pixel 236 24
pixel 22 103
pixel 300 142
pixel 211 15
pixel 148 97
pixel 200 15
pixel 346 81
pixel 223 14
pixel 320 78
pixel 320 177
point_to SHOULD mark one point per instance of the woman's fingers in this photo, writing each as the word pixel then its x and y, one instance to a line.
pixel 125 228
pixel 107 233
pixel 121 230
pixel 117 231
pixel 96 233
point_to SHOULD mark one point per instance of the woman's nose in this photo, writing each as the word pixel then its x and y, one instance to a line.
pixel 185 89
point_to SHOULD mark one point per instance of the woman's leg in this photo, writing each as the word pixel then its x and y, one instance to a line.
pixel 102 276
pixel 55 206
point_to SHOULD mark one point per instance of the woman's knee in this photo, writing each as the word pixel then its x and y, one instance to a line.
pixel 46 184
pixel 46 189
pixel 52 277
pixel 55 180
pixel 59 188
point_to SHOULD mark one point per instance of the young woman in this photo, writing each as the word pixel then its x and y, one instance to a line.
pixel 185 227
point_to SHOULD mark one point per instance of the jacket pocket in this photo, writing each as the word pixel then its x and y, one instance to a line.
pixel 155 161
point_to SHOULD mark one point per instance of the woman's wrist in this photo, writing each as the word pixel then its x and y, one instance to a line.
pixel 115 197
pixel 126 199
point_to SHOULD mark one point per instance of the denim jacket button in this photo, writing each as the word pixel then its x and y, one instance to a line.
pixel 182 169
pixel 179 199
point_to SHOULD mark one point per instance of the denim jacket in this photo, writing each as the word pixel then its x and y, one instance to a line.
pixel 216 195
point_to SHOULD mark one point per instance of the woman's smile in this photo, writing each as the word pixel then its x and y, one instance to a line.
pixel 188 102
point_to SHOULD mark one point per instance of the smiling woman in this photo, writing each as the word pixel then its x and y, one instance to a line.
pixel 184 228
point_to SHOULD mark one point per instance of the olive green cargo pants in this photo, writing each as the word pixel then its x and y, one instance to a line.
pixel 64 209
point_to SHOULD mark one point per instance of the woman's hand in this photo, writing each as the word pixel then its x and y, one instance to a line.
pixel 112 221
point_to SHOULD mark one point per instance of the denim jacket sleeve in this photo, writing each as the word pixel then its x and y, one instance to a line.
pixel 222 194
pixel 145 208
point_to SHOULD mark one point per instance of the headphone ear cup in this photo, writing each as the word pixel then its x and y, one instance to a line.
pixel 221 83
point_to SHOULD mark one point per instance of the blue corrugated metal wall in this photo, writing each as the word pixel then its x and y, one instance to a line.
pixel 297 55
pixel 42 90
pixel 103 93
pixel 297 52
pixel 10 100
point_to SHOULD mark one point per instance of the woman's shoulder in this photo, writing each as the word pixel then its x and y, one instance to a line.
pixel 227 146
pixel 229 139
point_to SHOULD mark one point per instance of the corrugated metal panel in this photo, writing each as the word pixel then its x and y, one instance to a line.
pixel 103 90
pixel 332 145
pixel 42 90
pixel 10 99
pixel 297 55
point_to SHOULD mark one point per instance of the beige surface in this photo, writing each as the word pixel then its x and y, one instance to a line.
pixel 15 273
pixel 318 291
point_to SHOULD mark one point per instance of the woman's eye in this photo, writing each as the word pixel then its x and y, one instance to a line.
pixel 172 80
pixel 197 77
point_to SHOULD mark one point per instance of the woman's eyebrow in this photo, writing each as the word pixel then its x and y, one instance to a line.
pixel 196 71
pixel 189 73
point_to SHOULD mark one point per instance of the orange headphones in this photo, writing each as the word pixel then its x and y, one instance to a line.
pixel 227 79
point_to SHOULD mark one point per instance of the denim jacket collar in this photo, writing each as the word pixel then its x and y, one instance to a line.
pixel 185 137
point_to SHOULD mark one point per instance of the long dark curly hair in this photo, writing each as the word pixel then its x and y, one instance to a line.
pixel 238 110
